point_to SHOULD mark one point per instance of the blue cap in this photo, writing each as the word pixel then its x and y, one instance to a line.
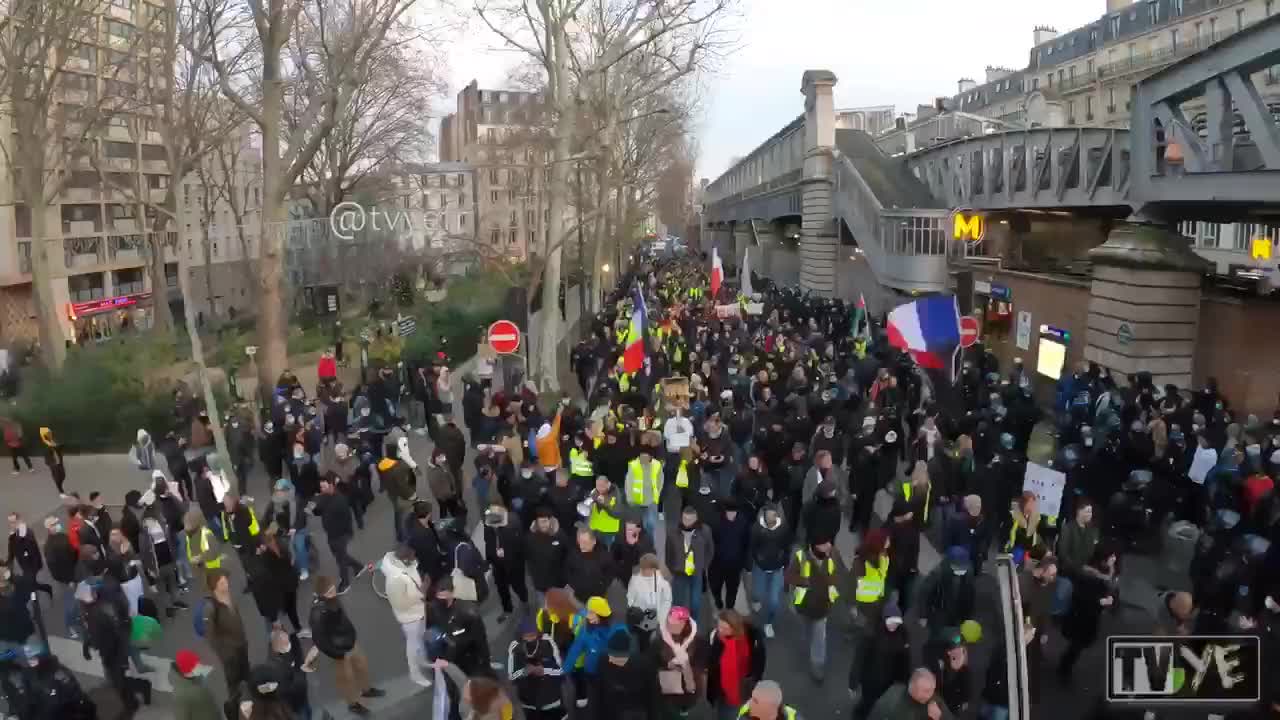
pixel 958 555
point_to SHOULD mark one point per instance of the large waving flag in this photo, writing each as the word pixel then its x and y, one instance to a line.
pixel 928 328
pixel 633 352
pixel 717 272
pixel 861 323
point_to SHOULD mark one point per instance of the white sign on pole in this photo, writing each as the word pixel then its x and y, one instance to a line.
pixel 1023 340
pixel 1047 484
pixel 755 308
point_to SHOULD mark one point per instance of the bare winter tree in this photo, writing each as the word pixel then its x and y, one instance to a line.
pixel 385 124
pixel 58 93
pixel 311 56
pixel 556 36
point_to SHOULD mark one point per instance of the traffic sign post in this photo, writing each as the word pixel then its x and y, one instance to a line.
pixel 504 337
pixel 968 331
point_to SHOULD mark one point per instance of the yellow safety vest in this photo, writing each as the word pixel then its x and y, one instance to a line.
pixel 603 522
pixel 870 586
pixel 1013 531
pixel 624 382
pixel 205 535
pixel 788 711
pixel 928 496
pixel 682 474
pixel 226 525
pixel 579 464
pixel 689 566
pixel 806 571
pixel 635 482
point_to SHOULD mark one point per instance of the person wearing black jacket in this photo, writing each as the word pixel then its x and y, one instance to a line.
pixel 625 682
pixel 48 690
pixel 24 554
pixel 466 640
pixel 334 511
pixel 946 596
pixel 425 542
pixel 589 567
pixel 504 550
pixel 768 552
pixel 822 515
pixel 534 668
pixel 108 632
pixel 627 550
pixel 286 660
pixel 335 636
pixel 545 550
pixel 731 536
pixel 889 652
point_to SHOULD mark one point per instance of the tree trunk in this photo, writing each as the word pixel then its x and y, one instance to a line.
pixel 598 232
pixel 161 317
pixel 272 325
pixel 208 275
pixel 53 343
pixel 197 354
pixel 548 349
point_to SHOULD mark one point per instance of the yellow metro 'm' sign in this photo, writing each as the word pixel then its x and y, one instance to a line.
pixel 968 227
pixel 1261 248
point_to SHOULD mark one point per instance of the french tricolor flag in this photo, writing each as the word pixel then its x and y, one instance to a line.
pixel 717 272
pixel 633 351
pixel 928 328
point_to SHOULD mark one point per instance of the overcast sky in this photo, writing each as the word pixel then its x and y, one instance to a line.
pixel 889 52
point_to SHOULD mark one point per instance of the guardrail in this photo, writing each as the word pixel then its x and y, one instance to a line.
pixel 1015 645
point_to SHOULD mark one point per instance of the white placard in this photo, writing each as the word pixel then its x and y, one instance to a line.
pixel 1023 340
pixel 726 311
pixel 1047 484
pixel 755 308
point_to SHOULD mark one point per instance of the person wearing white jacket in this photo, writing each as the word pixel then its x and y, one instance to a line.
pixel 650 592
pixel 404 591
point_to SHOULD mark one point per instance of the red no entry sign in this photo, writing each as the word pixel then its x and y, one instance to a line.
pixel 968 331
pixel 504 337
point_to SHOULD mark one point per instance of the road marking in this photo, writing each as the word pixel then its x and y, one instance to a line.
pixel 70 655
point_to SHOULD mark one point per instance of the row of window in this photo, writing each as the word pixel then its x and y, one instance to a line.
pixel 92 286
pixel 1238 237
pixel 496 237
pixel 502 97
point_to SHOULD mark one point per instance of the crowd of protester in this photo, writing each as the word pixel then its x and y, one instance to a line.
pixel 724 445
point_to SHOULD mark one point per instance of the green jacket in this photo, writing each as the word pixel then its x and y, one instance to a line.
pixel 896 704
pixel 192 699
pixel 1075 546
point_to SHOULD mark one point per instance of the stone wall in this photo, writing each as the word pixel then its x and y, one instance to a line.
pixel 1238 346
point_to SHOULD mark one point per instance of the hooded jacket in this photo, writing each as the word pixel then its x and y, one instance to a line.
pixel 545 555
pixel 591 644
pixel 508 536
pixel 626 556
pixel 404 589
pixel 769 545
pixel 143 452
pixel 945 598
pixel 192 699
pixel 397 480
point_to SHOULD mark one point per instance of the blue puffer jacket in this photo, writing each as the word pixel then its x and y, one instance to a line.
pixel 591 644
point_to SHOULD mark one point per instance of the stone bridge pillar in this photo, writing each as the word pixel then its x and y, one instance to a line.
pixel 741 241
pixel 1144 304
pixel 818 238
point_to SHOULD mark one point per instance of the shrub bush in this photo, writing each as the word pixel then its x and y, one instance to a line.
pixel 473 303
pixel 102 396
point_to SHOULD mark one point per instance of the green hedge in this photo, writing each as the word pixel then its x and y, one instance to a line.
pixel 102 397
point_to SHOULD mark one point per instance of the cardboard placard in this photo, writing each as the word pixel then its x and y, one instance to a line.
pixel 1047 484
pixel 675 392
pixel 727 311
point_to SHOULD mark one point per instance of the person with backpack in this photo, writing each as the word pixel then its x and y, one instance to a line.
pixel 219 621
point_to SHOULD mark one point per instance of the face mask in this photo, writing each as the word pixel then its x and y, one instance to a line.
pixel 828 431
pixel 526 474
pixel 299 455
pixel 959 572
pixel 22 529
pixel 733 371
pixel 235 424
pixel 1088 442
pixel 364 412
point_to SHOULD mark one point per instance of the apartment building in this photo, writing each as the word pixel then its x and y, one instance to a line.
pixel 1085 76
pixel 95 235
pixel 435 208
pixel 220 210
pixel 499 134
